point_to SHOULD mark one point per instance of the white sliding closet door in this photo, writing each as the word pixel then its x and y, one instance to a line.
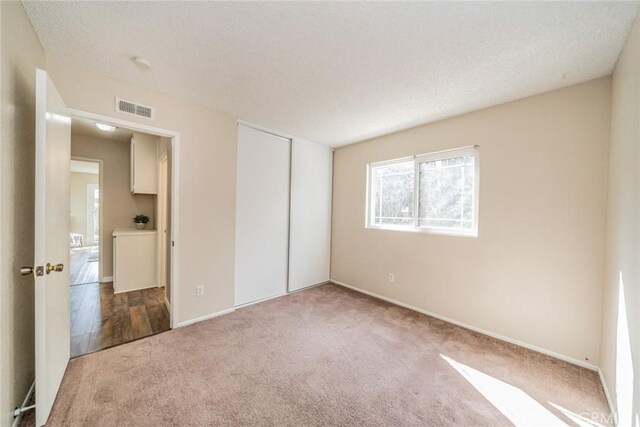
pixel 262 215
pixel 310 235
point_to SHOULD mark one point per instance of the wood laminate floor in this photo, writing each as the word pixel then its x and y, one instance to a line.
pixel 102 319
pixel 84 265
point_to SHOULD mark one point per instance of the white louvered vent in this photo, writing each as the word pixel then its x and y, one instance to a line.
pixel 128 107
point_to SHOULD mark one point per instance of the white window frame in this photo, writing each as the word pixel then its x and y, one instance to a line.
pixel 423 158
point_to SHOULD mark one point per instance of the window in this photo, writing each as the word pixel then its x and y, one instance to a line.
pixel 435 192
pixel 392 195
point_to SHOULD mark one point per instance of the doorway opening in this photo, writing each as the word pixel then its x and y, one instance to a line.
pixel 120 216
pixel 84 222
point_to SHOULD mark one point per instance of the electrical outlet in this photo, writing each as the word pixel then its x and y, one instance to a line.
pixel 392 278
pixel 199 291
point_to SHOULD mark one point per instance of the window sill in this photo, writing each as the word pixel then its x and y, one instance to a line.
pixel 424 230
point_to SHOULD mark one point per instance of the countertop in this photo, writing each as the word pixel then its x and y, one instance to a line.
pixel 131 232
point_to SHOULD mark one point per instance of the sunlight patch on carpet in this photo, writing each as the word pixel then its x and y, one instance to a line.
pixel 520 408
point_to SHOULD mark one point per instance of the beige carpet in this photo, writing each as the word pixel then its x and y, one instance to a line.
pixel 324 356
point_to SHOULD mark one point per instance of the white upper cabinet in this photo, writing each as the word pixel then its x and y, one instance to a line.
pixel 144 164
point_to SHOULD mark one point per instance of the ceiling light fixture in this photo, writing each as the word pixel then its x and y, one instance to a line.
pixel 142 62
pixel 105 128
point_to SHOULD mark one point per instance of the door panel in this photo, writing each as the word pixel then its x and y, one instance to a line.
pixel 310 240
pixel 53 142
pixel 262 215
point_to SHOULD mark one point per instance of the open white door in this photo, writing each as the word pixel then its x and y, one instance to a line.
pixel 53 146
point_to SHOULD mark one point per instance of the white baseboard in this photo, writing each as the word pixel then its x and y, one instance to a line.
pixel 107 279
pixel 607 395
pixel 473 328
pixel 230 310
pixel 206 317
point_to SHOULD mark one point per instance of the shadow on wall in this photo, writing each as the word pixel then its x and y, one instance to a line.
pixel 627 389
pixel 23 182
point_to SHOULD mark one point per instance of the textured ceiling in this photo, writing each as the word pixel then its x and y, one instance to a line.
pixel 340 72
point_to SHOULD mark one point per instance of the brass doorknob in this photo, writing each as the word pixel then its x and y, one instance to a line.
pixel 56 267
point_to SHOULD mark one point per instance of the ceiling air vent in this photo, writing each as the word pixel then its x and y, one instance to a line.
pixel 128 107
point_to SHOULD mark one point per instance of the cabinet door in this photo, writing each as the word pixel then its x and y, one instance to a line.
pixel 134 262
pixel 144 164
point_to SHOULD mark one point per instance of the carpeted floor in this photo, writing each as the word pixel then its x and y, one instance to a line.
pixel 324 356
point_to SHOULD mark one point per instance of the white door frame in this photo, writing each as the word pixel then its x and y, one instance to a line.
pixel 175 174
pixel 91 230
pixel 161 217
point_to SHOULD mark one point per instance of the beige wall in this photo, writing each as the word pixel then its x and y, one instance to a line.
pixel 535 272
pixel 207 170
pixel 620 356
pixel 20 54
pixel 119 206
pixel 78 200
